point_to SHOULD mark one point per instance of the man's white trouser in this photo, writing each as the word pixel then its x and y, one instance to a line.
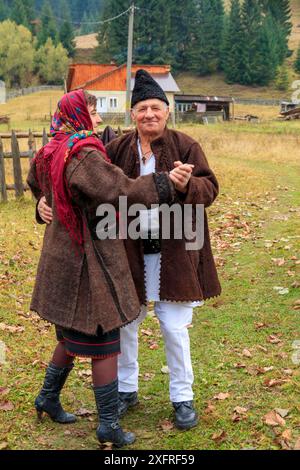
pixel 174 319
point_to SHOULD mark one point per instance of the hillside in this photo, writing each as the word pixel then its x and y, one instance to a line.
pixel 215 84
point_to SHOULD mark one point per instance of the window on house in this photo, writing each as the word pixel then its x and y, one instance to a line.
pixel 113 103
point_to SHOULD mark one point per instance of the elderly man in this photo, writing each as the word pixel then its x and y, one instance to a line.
pixel 164 272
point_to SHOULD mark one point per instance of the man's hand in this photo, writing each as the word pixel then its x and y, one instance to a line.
pixel 45 212
pixel 181 175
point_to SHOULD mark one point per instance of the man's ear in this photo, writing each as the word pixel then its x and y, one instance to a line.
pixel 132 114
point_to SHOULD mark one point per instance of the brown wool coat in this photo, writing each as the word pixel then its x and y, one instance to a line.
pixel 81 291
pixel 185 275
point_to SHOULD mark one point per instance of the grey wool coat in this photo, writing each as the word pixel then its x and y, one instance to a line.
pixel 185 275
pixel 82 289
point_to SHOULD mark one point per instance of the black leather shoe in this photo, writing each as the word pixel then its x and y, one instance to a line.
pixel 185 415
pixel 126 400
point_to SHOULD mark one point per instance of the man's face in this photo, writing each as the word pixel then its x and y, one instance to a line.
pixel 150 116
pixel 95 117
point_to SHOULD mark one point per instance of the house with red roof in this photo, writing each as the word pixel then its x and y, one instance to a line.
pixel 108 83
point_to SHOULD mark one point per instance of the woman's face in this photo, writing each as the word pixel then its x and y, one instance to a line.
pixel 95 117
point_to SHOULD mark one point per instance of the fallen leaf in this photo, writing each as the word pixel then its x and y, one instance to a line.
pixel 239 365
pixel 278 261
pixel 6 406
pixel 274 339
pixel 209 409
pixel 148 376
pixel 11 329
pixel 297 444
pixel 259 325
pixel 166 425
pixel 282 412
pixel 4 391
pixel 221 396
pixel 219 436
pixel 287 435
pixel 153 346
pixel 274 419
pixel 165 370
pixel 288 371
pixel 240 410
pixel 262 348
pixel 84 412
pixel 274 382
pixel 246 353
pixel 3 445
pixel 147 332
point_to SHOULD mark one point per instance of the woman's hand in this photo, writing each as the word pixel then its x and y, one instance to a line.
pixel 181 175
pixel 45 212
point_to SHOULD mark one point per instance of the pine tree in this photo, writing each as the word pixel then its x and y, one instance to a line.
pixel 219 18
pixel 66 33
pixel 297 61
pixel 4 10
pixel 113 36
pixel 282 80
pixel 281 12
pixel 182 16
pixel 233 45
pixel 153 29
pixel 203 56
pixel 19 14
pixel 252 29
pixel 48 28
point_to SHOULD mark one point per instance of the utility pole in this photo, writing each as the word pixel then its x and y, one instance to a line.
pixel 129 64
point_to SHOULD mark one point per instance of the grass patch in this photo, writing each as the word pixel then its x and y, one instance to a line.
pixel 254 221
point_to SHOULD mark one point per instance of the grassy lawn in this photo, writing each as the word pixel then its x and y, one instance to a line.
pixel 242 342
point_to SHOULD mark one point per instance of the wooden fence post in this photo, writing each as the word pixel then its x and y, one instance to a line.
pixel 19 188
pixel 31 146
pixel 3 192
pixel 45 137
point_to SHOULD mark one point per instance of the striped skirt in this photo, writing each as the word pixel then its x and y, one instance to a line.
pixel 100 346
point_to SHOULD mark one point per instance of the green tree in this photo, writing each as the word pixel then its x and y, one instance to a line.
pixel 4 10
pixel 297 61
pixel 66 33
pixel 203 55
pixel 233 45
pixel 18 13
pixel 113 36
pixel 16 69
pixel 48 28
pixel 281 12
pixel 282 79
pixel 252 30
pixel 52 62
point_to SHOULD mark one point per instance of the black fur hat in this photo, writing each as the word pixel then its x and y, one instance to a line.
pixel 146 88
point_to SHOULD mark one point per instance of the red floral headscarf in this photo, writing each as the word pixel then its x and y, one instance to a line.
pixel 71 129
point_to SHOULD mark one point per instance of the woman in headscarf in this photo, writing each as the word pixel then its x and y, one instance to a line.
pixel 83 284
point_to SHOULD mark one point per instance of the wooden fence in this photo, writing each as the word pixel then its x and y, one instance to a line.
pixel 19 187
pixel 16 155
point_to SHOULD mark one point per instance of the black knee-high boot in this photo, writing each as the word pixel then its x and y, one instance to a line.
pixel 48 399
pixel 109 429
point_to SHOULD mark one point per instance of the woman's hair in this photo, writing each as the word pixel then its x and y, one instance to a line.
pixel 90 100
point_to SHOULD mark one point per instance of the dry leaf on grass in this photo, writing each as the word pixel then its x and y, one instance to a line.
pixel 282 412
pixel 274 419
pixel 219 436
pixel 84 412
pixel 6 406
pixel 274 339
pixel 221 396
pixel 3 445
pixel 166 425
pixel 11 329
pixel 274 382
pixel 246 353
pixel 297 444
